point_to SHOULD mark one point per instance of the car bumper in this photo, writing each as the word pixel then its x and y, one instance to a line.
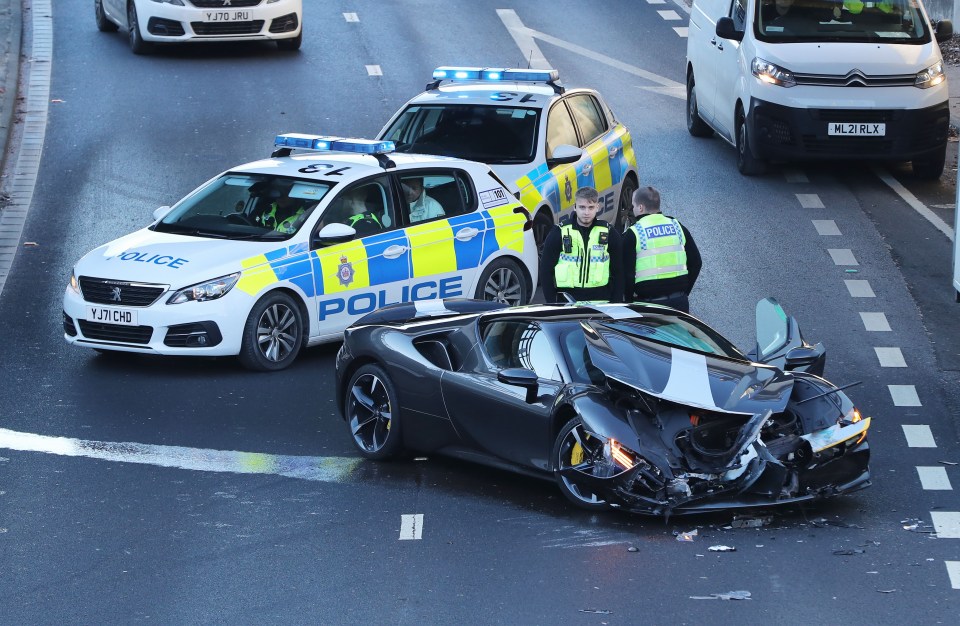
pixel 790 133
pixel 162 22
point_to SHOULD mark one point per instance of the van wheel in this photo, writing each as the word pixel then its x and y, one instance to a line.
pixel 747 162
pixel 103 24
pixel 930 168
pixel 695 124
pixel 503 281
pixel 273 334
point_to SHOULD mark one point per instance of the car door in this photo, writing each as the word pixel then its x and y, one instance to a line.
pixel 728 72
pixel 702 51
pixel 598 168
pixel 558 185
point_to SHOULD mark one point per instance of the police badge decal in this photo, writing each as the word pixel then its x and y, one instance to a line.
pixel 345 271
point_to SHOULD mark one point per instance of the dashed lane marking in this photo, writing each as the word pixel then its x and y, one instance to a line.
pixel 875 322
pixel 351 17
pixel 953 571
pixel 859 288
pixel 374 70
pixel 681 30
pixel 826 228
pixel 810 201
pixel 918 436
pixel 656 1
pixel 411 526
pixel 669 15
pixel 914 203
pixel 842 256
pixel 904 395
pixel 946 524
pixel 934 478
pixel 890 357
pixel 795 176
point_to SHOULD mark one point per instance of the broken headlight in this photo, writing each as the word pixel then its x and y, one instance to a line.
pixel 619 455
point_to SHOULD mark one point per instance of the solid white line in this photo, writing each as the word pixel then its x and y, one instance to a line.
pixel 411 526
pixel 795 176
pixel 914 203
pixel 918 436
pixel 842 256
pixel 860 289
pixel 528 46
pixel 318 468
pixel 683 31
pixel 904 395
pixel 953 571
pixel 946 523
pixel 826 228
pixel 810 201
pixel 890 357
pixel 934 478
pixel 669 15
pixel 351 17
pixel 875 322
pixel 656 1
pixel 374 70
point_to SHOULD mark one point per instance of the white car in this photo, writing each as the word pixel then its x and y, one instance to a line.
pixel 173 21
pixel 544 140
pixel 285 252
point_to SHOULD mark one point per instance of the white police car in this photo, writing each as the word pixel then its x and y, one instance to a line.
pixel 173 21
pixel 273 255
pixel 543 139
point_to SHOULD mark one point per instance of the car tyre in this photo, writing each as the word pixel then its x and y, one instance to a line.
pixel 542 224
pixel 292 44
pixel 137 44
pixel 695 124
pixel 372 412
pixel 930 168
pixel 273 334
pixel 503 281
pixel 747 162
pixel 572 449
pixel 625 205
pixel 104 25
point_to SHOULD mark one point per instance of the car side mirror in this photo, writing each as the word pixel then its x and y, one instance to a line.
pixel 160 212
pixel 801 357
pixel 521 377
pixel 944 30
pixel 726 30
pixel 563 154
pixel 332 234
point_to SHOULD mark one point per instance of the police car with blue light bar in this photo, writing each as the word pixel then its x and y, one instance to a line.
pixel 544 140
pixel 286 252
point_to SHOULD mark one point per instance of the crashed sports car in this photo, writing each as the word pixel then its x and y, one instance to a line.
pixel 639 406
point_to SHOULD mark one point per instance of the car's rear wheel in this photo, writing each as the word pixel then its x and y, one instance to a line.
pixel 576 449
pixel 373 413
pixel 291 44
pixel 695 124
pixel 503 281
pixel 273 334
pixel 137 44
pixel 625 205
pixel 103 24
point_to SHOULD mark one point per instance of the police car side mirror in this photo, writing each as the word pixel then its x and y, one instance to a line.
pixel 726 30
pixel 944 30
pixel 332 234
pixel 160 212
pixel 563 154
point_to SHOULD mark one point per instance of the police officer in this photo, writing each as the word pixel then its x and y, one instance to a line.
pixel 359 216
pixel 581 256
pixel 661 261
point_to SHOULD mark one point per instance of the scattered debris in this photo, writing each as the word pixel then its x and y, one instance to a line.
pixel 916 526
pixel 690 535
pixel 58 100
pixel 822 522
pixel 597 611
pixel 751 522
pixel 722 549
pixel 886 590
pixel 730 595
pixel 848 552
pixel 421 458
pixel 633 549
pixel 950 463
pixel 851 271
pixel 30 244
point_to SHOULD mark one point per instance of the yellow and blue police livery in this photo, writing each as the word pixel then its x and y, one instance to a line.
pixel 286 252
pixel 544 140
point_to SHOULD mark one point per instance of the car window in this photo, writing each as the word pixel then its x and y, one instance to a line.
pixel 560 129
pixel 683 332
pixel 513 343
pixel 738 13
pixel 435 194
pixel 588 117
pixel 367 207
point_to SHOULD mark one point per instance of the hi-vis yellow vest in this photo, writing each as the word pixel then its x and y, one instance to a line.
pixel 660 252
pixel 579 266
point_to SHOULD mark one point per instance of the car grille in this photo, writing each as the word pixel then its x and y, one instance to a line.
pixel 856 79
pixel 848 145
pixel 227 28
pixel 855 115
pixel 104 291
pixel 284 23
pixel 116 332
pixel 218 4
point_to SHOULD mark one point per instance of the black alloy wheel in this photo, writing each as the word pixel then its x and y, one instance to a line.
pixel 372 412
pixel 577 449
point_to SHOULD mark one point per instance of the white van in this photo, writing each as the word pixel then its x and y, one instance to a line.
pixel 807 79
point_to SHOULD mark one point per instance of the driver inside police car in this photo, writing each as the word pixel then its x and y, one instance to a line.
pixel 281 212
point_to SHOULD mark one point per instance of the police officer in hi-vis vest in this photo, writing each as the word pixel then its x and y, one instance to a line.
pixel 581 256
pixel 661 261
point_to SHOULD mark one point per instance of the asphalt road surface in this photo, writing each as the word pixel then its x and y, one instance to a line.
pixel 236 497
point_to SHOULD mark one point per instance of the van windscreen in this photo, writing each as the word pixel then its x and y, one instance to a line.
pixel 887 21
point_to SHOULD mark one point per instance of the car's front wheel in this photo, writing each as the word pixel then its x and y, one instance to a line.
pixel 930 168
pixel 273 334
pixel 503 281
pixel 137 44
pixel 292 43
pixel 104 25
pixel 576 450
pixel 373 413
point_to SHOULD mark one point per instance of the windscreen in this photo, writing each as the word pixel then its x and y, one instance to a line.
pixel 682 332
pixel 890 21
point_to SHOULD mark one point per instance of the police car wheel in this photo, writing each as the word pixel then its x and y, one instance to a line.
pixel 695 124
pixel 625 205
pixel 503 281
pixel 273 334
pixel 103 24
pixel 574 448
pixel 372 412
pixel 137 44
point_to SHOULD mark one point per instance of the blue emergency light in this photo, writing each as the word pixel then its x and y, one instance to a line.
pixel 321 143
pixel 494 74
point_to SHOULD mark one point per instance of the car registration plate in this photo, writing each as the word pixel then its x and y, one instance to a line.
pixel 226 16
pixel 111 315
pixel 856 129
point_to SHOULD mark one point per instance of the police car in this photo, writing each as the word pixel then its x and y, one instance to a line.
pixel 173 21
pixel 543 139
pixel 285 252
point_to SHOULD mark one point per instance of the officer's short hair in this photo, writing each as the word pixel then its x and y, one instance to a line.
pixel 648 197
pixel 587 193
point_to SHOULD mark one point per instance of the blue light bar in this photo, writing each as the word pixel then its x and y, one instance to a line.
pixel 363 146
pixel 322 143
pixel 457 73
pixel 449 72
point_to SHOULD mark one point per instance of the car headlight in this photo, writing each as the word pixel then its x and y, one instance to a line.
pixel 74 284
pixel 614 451
pixel 209 290
pixel 930 77
pixel 771 73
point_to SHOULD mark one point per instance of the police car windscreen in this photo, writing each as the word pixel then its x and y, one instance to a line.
pixel 890 21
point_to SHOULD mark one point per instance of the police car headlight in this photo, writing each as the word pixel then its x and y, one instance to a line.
pixel 771 73
pixel 209 290
pixel 178 3
pixel 930 77
pixel 74 284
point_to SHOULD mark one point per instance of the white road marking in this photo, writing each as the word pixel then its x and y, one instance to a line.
pixel 527 44
pixel 953 571
pixel 946 524
pixel 875 322
pixel 890 357
pixel 904 395
pixel 842 256
pixel 914 203
pixel 810 201
pixel 351 17
pixel 918 436
pixel 411 526
pixel 656 1
pixel 318 468
pixel 944 206
pixel 826 228
pixel 934 478
pixel 669 15
pixel 681 30
pixel 795 176
pixel 374 70
pixel 860 289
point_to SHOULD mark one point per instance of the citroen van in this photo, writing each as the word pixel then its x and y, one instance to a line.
pixel 790 80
